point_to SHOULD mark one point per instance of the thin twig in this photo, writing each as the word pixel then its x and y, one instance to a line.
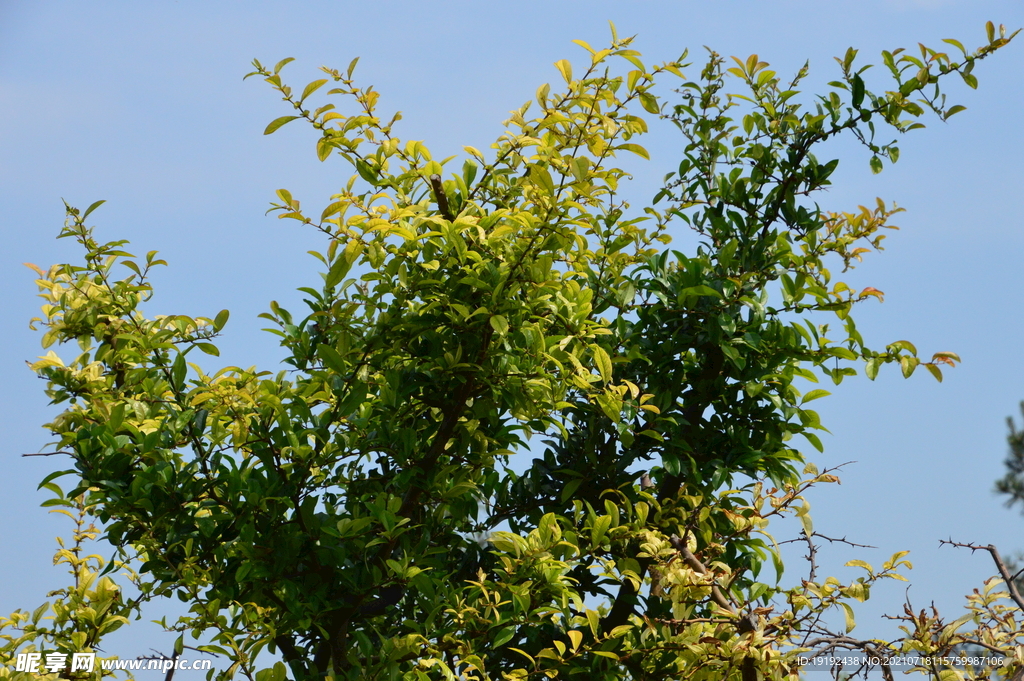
pixel 844 540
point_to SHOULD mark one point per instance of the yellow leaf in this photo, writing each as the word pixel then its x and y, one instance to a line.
pixel 585 46
pixel 565 68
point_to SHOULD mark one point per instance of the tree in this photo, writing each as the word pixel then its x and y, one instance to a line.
pixel 1012 484
pixel 361 513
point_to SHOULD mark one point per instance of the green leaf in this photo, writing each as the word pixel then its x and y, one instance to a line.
pixel 281 64
pixel 610 405
pixel 324 147
pixel 54 476
pixel 499 324
pixel 366 172
pixel 649 102
pixel 857 91
pixel 701 290
pixel 542 177
pixel 955 43
pixel 209 348
pixel 504 636
pixel 814 394
pixel 601 526
pixel 178 370
pixel 603 362
pixel 903 345
pixel 953 110
pixel 116 417
pixel 221 319
pixel 277 123
pixel 876 164
pixel 53 487
pixel 337 272
pixel 92 207
pixel 814 440
pixel 332 359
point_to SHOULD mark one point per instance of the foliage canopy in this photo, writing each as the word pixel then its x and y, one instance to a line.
pixel 370 512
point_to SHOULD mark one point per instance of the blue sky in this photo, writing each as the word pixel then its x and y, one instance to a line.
pixel 143 104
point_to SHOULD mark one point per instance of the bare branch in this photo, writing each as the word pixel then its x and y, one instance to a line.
pixel 812 552
pixel 1004 571
pixel 844 540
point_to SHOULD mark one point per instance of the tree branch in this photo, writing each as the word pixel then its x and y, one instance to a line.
pixel 441 198
pixel 1004 572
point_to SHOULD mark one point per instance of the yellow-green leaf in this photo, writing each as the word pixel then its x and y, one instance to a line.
pixel 649 102
pixel 542 177
pixel 594 620
pixel 814 394
pixel 311 88
pixel 499 324
pixel 277 123
pixel 565 68
pixel 209 348
pixel 848 612
pixel 636 149
pixel 603 362
pixel 332 209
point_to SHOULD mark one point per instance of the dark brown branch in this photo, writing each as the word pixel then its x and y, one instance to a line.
pixel 441 198
pixel 716 594
pixel 812 553
pixel 49 453
pixel 746 624
pixel 844 540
